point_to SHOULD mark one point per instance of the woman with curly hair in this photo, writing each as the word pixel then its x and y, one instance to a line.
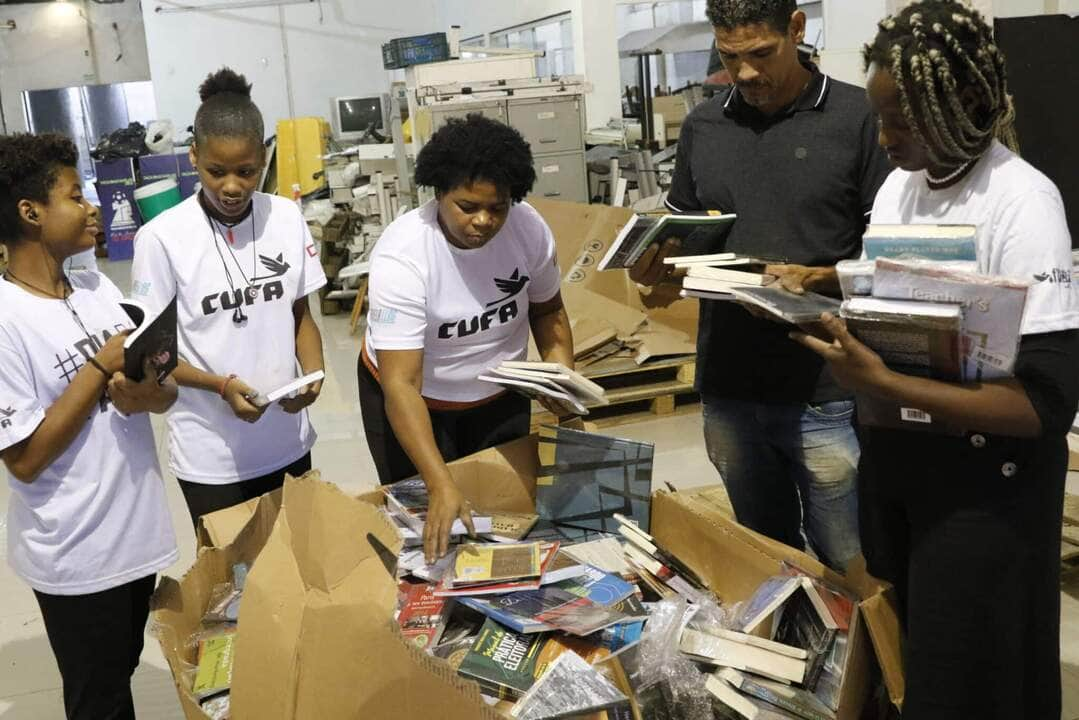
pixel 88 523
pixel 242 265
pixel 456 285
pixel 968 527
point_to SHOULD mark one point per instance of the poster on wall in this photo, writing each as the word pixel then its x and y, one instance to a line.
pixel 189 176
pixel 115 189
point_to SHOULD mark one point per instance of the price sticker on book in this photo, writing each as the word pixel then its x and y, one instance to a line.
pixel 984 357
pixel 915 415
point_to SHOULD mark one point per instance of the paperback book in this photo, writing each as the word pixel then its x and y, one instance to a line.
pixel 644 230
pixel 154 338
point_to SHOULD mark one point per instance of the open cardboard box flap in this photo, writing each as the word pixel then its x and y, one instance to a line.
pixel 317 637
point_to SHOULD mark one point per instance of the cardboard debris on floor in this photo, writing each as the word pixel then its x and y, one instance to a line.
pixel 334 615
pixel 606 307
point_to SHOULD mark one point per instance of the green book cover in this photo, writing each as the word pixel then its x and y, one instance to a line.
pixel 503 659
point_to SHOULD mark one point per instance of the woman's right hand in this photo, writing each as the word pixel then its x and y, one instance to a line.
pixel 111 355
pixel 445 503
pixel 237 394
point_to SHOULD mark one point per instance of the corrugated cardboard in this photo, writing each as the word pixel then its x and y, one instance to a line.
pixel 316 636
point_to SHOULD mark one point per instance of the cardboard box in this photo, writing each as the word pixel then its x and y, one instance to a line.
pixel 316 637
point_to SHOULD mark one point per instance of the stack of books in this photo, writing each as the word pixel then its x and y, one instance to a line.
pixel 560 385
pixel 789 658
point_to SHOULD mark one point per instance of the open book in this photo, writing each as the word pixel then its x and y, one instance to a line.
pixel 154 337
pixel 643 230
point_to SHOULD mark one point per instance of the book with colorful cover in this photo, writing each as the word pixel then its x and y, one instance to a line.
pixel 491 563
pixel 503 661
pixel 447 588
pixel 569 686
pixel 930 242
pixel 423 614
pixel 213 673
pixel 769 596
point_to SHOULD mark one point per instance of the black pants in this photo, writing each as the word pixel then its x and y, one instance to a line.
pixel 458 433
pixel 204 499
pixel 97 640
pixel 975 558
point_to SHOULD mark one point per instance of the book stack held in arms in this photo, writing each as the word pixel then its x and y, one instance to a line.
pixel 928 312
pixel 580 612
pixel 562 387
pixel 737 278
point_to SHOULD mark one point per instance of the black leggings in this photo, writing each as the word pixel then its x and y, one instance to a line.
pixel 204 499
pixel 97 640
pixel 458 433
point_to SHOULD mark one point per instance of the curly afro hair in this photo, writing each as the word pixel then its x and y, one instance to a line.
pixel 227 109
pixel 477 148
pixel 29 166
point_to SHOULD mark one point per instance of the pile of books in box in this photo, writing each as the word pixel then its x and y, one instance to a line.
pixel 212 677
pixel 786 654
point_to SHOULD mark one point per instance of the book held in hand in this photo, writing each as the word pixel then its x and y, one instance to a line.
pixel 931 242
pixel 785 305
pixel 154 338
pixel 644 230
pixel 288 389
pixel 553 381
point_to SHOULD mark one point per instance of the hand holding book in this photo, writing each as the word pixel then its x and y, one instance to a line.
pixel 854 366
pixel 146 395
pixel 445 504
pixel 650 268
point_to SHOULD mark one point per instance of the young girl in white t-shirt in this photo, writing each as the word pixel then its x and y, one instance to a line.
pixel 242 264
pixel 968 527
pixel 88 524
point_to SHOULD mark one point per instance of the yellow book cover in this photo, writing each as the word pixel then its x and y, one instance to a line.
pixel 492 563
pixel 214 673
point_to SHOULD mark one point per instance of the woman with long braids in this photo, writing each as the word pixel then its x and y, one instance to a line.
pixel 968 527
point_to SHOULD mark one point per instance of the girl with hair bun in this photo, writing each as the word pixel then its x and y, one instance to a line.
pixel 968 527
pixel 242 264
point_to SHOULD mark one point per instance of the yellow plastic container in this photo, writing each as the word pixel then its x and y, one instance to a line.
pixel 301 143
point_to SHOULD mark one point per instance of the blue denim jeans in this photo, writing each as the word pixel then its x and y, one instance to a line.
pixel 789 466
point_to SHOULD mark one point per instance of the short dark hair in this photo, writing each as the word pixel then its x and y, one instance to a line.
pixel 935 50
pixel 477 148
pixel 729 14
pixel 226 109
pixel 29 166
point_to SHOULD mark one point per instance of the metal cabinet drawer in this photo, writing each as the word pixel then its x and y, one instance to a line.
pixel 495 111
pixel 561 177
pixel 549 126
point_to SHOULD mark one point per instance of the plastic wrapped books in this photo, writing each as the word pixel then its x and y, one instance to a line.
pixel 569 687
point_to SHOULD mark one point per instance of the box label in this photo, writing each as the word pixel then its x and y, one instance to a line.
pixel 915 415
pixel 549 169
pixel 546 116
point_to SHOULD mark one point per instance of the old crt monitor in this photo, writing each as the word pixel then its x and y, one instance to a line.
pixel 353 116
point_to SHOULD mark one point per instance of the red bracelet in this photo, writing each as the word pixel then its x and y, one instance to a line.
pixel 225 385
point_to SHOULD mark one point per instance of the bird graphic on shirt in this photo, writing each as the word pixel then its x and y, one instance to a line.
pixel 511 286
pixel 277 266
pixel 1041 277
pixel 7 412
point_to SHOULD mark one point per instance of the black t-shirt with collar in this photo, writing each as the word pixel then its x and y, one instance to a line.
pixel 801 182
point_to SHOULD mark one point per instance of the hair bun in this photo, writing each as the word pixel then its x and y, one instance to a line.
pixel 225 80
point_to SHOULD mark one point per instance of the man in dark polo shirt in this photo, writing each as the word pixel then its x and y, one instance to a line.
pixel 794 154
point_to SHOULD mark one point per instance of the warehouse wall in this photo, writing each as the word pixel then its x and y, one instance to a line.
pixel 56 45
pixel 298 56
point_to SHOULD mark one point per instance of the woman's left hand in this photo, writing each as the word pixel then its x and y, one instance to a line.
pixel 556 407
pixel 130 397
pixel 853 365
pixel 305 397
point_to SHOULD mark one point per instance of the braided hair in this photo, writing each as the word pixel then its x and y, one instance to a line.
pixel 226 109
pixel 942 55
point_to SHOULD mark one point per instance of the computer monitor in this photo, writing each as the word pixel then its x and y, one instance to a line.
pixel 354 116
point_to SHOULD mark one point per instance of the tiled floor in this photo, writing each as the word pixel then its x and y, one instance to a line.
pixel 30 684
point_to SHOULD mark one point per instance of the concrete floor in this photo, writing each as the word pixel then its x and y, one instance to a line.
pixel 30 683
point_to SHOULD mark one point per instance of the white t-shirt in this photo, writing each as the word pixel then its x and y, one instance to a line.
pixel 97 517
pixel 1022 230
pixel 178 253
pixel 467 309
